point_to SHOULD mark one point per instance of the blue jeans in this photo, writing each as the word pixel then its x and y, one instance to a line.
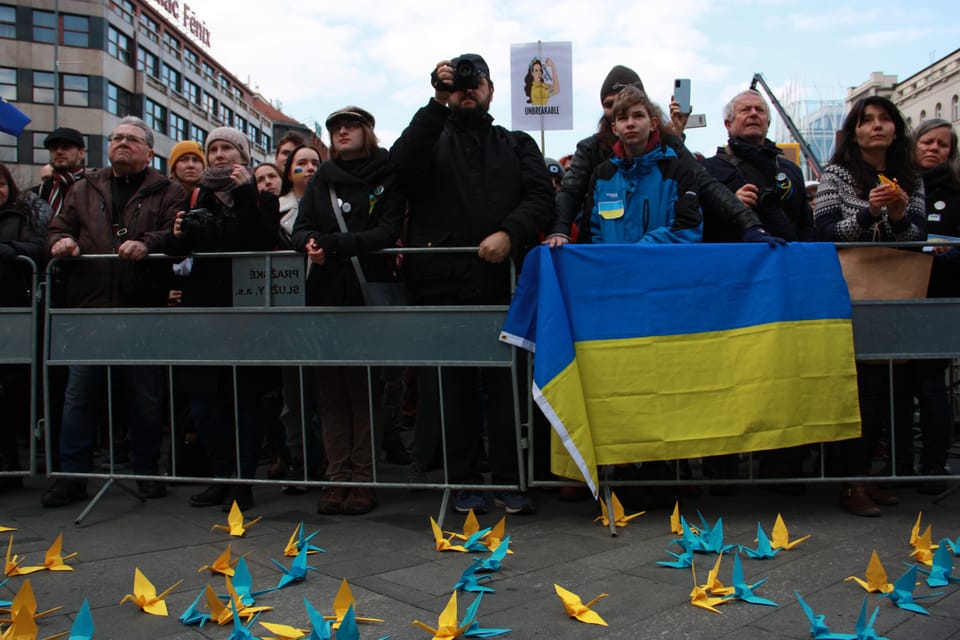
pixel 87 392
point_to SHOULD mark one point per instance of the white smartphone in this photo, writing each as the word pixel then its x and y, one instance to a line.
pixel 681 94
pixel 696 121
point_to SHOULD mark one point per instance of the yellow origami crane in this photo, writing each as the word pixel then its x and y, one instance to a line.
pixel 235 526
pixel 444 544
pixel 447 626
pixel 699 596
pixel 223 613
pixel 223 564
pixel 576 609
pixel 283 632
pixel 675 526
pixel 342 602
pixel 292 550
pixel 470 526
pixel 12 565
pixel 23 626
pixel 145 595
pixel 620 518
pixel 781 536
pixel 26 602
pixel 876 581
pixel 923 550
pixel 714 586
pixel 493 539
pixel 54 559
pixel 4 529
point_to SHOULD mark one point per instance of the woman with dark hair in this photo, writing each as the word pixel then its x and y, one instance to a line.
pixel 871 191
pixel 537 90
pixel 352 206
pixel 301 164
pixel 937 159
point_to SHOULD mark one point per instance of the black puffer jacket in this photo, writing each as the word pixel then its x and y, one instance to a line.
pixel 942 191
pixel 372 207
pixel 23 229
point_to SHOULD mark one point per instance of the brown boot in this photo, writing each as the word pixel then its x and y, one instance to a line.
pixel 881 496
pixel 331 502
pixel 855 499
pixel 359 500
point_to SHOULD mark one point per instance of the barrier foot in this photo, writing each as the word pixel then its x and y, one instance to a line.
pixel 103 490
pixel 946 494
pixel 444 502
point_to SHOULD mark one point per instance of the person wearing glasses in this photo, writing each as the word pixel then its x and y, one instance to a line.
pixel 127 209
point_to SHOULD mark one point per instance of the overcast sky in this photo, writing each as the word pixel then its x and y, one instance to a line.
pixel 316 56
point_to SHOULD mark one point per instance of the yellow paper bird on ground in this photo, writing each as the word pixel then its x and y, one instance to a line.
pixel 26 601
pixel 781 536
pixel 145 595
pixel 235 525
pixel 292 550
pixel 493 539
pixel 12 566
pixel 55 560
pixel 443 544
pixel 24 627
pixel 699 597
pixel 876 581
pixel 620 518
pixel 283 632
pixel 223 613
pixel 675 526
pixel 923 550
pixel 714 586
pixel 223 564
pixel 342 602
pixel 470 527
pixel 447 626
pixel 577 609
pixel 4 529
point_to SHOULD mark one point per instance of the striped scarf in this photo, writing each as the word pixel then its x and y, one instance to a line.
pixel 60 183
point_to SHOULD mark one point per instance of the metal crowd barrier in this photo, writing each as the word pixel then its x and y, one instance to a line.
pixel 269 335
pixel 19 347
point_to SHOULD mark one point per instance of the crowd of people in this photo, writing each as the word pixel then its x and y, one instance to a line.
pixel 452 179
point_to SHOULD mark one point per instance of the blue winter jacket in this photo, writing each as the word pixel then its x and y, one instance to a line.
pixel 651 198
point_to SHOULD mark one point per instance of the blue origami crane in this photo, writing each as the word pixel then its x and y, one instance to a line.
pixel 707 540
pixel 818 627
pixel 298 540
pixel 474 630
pixel 321 629
pixel 470 581
pixel 683 560
pixel 939 573
pixel 744 591
pixel 192 615
pixel 297 571
pixel 764 549
pixel 348 627
pixel 82 628
pixel 902 594
pixel 241 631
pixel 5 603
pixel 493 561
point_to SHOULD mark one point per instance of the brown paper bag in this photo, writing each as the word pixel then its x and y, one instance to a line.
pixel 884 273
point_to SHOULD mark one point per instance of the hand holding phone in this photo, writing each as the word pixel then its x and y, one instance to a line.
pixel 681 94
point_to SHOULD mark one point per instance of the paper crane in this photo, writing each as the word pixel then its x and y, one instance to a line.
pixel 5 603
pixel 444 544
pixel 876 581
pixel 953 544
pixel 12 566
pixel 707 540
pixel 235 525
pixel 744 591
pixel 4 529
pixel 675 526
pixel 297 571
pixel 470 581
pixel 620 518
pixel 474 630
pixel 343 601
pixel 923 549
pixel 298 540
pixel 818 625
pixel 713 585
pixel 223 613
pixel 699 596
pixel 495 559
pixel 764 549
pixel 242 585
pixel 498 533
pixel 26 601
pixel 223 564
pixel 283 631
pixel 683 560
pixel 902 594
pixel 145 595
pixel 472 535
pixel 915 531
pixel 193 615
pixel 320 629
pixel 577 609
pixel 781 536
pixel 939 573
pixel 241 631
pixel 447 626
pixel 54 560
pixel 22 626
pixel 82 628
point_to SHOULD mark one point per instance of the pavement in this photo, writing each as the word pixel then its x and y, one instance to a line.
pixel 389 559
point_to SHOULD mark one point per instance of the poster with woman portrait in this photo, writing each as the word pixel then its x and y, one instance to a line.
pixel 541 86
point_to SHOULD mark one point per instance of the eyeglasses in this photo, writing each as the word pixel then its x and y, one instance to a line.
pixel 120 137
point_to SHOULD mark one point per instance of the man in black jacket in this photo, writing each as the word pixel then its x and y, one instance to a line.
pixel 470 183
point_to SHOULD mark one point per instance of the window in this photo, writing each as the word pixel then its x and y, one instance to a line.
pixel 265 140
pixel 938 111
pixel 191 90
pixel 149 27
pixel 226 114
pixel 171 44
pixel 40 153
pixel 8 148
pixel 148 63
pixel 238 94
pixel 192 59
pixel 119 101
pixel 124 9
pixel 225 84
pixel 74 30
pixel 178 127
pixel 44 26
pixel 198 134
pixel 923 115
pixel 210 104
pixel 170 77
pixel 74 90
pixel 209 73
pixel 155 115
pixel 118 45
pixel 8 83
pixel 43 87
pixel 241 124
pixel 8 22
pixel 955 109
pixel 158 163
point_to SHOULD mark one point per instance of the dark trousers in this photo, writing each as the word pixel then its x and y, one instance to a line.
pixel 936 416
pixel 343 399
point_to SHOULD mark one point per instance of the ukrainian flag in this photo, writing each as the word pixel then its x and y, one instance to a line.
pixel 660 352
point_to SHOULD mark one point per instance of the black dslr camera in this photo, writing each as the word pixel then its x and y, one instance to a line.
pixel 466 75
pixel 200 226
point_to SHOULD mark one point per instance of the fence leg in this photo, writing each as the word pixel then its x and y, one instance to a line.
pixel 608 500
pixel 103 490
pixel 444 501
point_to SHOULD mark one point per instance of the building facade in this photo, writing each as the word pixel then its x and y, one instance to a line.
pixel 86 64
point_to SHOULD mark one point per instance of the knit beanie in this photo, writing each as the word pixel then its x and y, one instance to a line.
pixel 619 77
pixel 234 137
pixel 186 147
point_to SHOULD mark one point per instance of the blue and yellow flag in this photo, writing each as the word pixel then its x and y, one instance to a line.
pixel 661 352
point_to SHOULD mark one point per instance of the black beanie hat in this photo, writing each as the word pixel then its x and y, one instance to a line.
pixel 619 77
